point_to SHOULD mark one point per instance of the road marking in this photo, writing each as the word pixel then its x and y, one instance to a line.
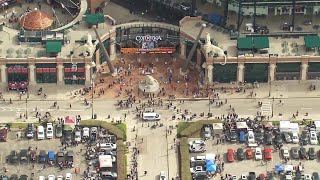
pixel 306 108
pixel 252 109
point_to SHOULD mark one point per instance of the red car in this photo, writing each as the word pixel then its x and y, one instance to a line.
pixel 3 135
pixel 267 154
pixel 230 155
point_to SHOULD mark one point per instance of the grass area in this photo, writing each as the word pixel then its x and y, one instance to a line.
pixel 182 126
pixel 123 128
pixel 194 129
pixel 121 160
pixel 184 159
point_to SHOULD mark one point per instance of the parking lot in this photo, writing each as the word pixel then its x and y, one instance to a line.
pixel 48 145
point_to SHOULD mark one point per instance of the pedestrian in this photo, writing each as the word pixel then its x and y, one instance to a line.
pixel 145 172
pixel 142 139
pixel 70 106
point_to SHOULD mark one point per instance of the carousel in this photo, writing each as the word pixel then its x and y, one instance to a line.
pixel 35 20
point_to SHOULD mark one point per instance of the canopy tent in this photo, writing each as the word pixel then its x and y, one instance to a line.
pixel 242 125
pixel 53 46
pixel 245 43
pixel 261 42
pixel 105 161
pixel 217 128
pixel 94 19
pixel 312 41
pixel 317 125
pixel 210 166
pixel 287 126
pixel 69 120
pixel 211 157
pixel 278 168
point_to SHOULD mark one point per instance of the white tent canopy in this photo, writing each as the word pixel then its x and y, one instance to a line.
pixel 317 124
pixel 105 161
pixel 217 128
pixel 242 125
pixel 287 126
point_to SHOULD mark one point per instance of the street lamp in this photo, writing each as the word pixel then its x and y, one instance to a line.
pixel 209 107
pixel 269 86
pixel 26 108
pixel 93 64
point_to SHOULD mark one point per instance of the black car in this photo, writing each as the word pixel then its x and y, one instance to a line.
pixel 278 140
pixel 240 154
pixel 294 153
pixel 70 156
pixel 252 176
pixel 23 156
pixel 68 137
pixel 23 177
pixel 30 131
pixel 13 157
pixel 14 177
pixel 60 157
pixel 315 176
pixel 298 176
pixel 42 156
pixel 232 136
pixel 304 138
pixel 303 153
pixel 259 136
pixel 268 138
pixel 312 153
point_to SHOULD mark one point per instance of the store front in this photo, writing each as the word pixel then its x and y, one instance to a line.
pixel 225 73
pixel 313 70
pixel 17 72
pixel 288 71
pixel 46 73
pixel 74 73
pixel 257 72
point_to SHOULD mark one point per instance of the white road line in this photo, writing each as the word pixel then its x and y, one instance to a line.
pixel 252 109
pixel 306 108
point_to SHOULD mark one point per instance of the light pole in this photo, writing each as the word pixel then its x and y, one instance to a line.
pixel 92 85
pixel 209 107
pixel 26 108
pixel 270 86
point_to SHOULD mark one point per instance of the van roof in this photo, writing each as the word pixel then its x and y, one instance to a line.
pixel 149 114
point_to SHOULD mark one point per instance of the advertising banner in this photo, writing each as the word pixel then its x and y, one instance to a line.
pixel 149 44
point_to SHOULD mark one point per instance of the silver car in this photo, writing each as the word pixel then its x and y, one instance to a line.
pixel 59 131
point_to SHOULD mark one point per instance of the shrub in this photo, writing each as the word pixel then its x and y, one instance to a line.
pixel 121 160
pixel 184 159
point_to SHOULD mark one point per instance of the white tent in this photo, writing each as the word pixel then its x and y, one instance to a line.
pixel 105 161
pixel 217 128
pixel 287 126
pixel 211 157
pixel 317 124
pixel 242 125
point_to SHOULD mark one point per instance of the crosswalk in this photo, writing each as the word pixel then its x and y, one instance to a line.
pixel 266 109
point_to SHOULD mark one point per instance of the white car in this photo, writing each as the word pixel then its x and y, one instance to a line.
pixel 85 132
pixel 285 152
pixel 51 177
pixel 251 138
pixel 42 178
pixel 313 138
pixel 198 142
pixel 196 169
pixel 307 177
pixel 49 130
pixel 68 176
pixel 258 154
pixel 77 136
pixel 60 177
pixel 243 177
pixel 40 132
pixel 162 176
pixel 295 138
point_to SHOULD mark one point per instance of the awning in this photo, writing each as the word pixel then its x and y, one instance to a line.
pixel 53 46
pixel 312 41
pixel 210 166
pixel 278 168
pixel 261 42
pixel 245 43
pixel 94 18
pixel 105 161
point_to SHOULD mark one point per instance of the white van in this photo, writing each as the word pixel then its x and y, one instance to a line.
pixel 40 132
pixel 251 138
pixel 151 116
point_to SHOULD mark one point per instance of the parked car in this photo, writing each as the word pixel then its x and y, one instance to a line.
pixel 240 154
pixel 242 136
pixel 196 169
pixel 207 132
pixel 162 175
pixel 285 153
pixel 23 156
pixel 77 136
pixel 313 138
pixel 303 153
pixel 70 156
pixel 49 131
pixel 249 153
pixel 68 176
pixel 312 153
pixel 93 133
pixel 42 178
pixel 287 138
pixel 243 177
pixel 278 139
pixel 259 136
pixel 60 177
pixel 304 138
pixel 258 154
pixel 4 135
pixel 40 132
pixel 315 176
pixel 42 156
pixel 230 155
pixel 295 138
pixel 307 177
pixel 268 154
pixel 108 175
pixel 68 137
pixel 232 136
pixel 14 157
pixel 268 138
pixel 252 176
pixel 23 177
pixel 51 177
pixel 295 153
pixel 85 132
pixel 60 157
pixel 30 131
pixel 14 177
pixel 251 137
pixel 59 131
pixel 107 146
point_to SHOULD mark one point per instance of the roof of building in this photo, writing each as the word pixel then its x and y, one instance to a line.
pixel 312 41
pixel 261 42
pixel 53 46
pixel 245 43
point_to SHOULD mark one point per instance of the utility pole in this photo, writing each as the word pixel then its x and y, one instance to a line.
pixel 185 67
pixel 239 15
pixel 293 14
pixel 254 13
pixel 105 52
pixel 92 84
pixel 26 108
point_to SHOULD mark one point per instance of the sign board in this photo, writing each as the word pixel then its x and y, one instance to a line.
pixel 161 50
